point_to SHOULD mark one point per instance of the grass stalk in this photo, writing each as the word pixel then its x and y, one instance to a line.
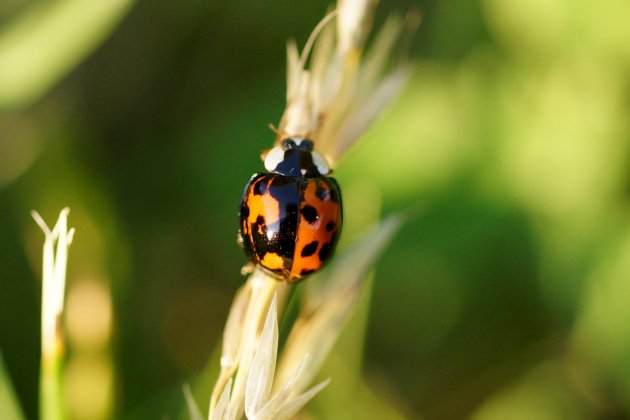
pixel 55 258
pixel 331 101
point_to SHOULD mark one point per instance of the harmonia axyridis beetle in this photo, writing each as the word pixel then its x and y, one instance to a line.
pixel 291 217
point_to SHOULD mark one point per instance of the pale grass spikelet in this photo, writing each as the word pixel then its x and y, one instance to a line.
pixel 193 409
pixel 353 23
pixel 335 99
pixel 53 279
pixel 232 339
pixel 324 313
pixel 55 257
pixel 221 411
pixel 258 405
pixel 257 400
pixel 263 289
pixel 334 92
pixel 330 302
pixel 262 369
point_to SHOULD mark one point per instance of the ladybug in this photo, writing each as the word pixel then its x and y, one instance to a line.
pixel 291 217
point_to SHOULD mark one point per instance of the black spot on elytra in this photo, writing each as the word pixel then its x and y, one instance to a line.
pixel 320 191
pixel 258 234
pixel 244 211
pixel 285 240
pixel 325 251
pixel 334 195
pixel 306 271
pixel 260 187
pixel 310 249
pixel 263 236
pixel 330 226
pixel 280 235
pixel 309 213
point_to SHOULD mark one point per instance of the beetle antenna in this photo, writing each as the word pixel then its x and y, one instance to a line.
pixel 273 128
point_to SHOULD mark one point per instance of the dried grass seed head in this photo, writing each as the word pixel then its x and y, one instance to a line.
pixel 334 99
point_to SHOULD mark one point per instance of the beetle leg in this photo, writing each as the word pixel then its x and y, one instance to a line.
pixel 248 268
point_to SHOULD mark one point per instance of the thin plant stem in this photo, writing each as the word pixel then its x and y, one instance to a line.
pixel 263 290
pixel 55 258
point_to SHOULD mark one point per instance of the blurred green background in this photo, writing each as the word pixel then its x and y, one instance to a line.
pixel 508 298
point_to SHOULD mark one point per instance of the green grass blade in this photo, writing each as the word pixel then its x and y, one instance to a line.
pixel 46 42
pixel 9 406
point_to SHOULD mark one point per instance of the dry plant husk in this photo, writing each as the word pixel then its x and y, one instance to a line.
pixel 275 390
